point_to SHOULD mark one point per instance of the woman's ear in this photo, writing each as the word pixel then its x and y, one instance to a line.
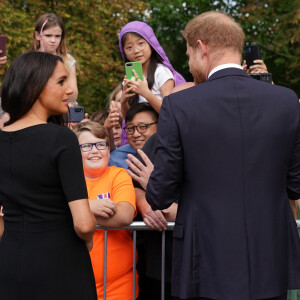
pixel 37 35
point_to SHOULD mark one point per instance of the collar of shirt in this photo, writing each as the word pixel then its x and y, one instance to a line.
pixel 224 66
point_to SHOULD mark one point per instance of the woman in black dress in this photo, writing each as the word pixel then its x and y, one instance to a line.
pixel 48 226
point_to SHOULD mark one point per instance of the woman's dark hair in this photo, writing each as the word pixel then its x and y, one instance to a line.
pixel 154 60
pixel 140 107
pixel 24 81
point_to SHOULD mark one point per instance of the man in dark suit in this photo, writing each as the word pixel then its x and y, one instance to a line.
pixel 229 153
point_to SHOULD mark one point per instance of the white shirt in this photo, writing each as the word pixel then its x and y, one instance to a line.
pixel 224 66
pixel 161 76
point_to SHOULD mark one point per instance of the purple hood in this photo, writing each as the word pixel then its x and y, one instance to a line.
pixel 147 33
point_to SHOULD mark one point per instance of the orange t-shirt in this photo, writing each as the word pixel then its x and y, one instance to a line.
pixel 118 184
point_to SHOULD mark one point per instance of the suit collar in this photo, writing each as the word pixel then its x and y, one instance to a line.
pixel 224 66
pixel 227 72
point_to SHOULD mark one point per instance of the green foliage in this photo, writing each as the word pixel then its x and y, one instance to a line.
pixel 168 19
pixel 275 26
pixel 92 37
pixel 272 24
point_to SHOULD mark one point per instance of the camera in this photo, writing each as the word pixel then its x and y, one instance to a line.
pixel 267 77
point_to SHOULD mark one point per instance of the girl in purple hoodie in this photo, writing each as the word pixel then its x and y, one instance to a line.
pixel 138 42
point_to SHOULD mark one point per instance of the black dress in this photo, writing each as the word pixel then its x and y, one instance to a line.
pixel 41 256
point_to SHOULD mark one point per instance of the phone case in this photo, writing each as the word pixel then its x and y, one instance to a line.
pixel 2 45
pixel 76 114
pixel 137 66
pixel 251 53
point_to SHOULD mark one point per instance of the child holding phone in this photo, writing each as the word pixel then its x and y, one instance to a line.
pixel 138 42
pixel 50 36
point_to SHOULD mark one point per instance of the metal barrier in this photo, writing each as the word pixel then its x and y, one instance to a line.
pixel 134 226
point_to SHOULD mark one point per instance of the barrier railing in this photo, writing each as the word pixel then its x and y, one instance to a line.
pixel 141 226
pixel 134 227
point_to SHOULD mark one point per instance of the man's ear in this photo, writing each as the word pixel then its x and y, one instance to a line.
pixel 202 47
pixel 37 35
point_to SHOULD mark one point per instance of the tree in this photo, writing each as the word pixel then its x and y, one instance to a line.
pixel 168 19
pixel 92 36
pixel 272 24
pixel 275 27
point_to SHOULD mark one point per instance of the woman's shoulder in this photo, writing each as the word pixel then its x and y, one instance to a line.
pixel 59 128
pixel 62 132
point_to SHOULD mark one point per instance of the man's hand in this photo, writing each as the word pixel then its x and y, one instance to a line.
pixel 138 171
pixel 170 212
pixel 154 218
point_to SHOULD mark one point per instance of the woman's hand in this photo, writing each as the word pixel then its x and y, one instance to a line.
pixel 258 67
pixel 104 208
pixel 3 59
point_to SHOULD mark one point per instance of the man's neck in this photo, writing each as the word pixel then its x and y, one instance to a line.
pixel 218 58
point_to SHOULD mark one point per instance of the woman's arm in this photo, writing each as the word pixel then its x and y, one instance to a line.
pixel 72 81
pixel 1 226
pixel 83 220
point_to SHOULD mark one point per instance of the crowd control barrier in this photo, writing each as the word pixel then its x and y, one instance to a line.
pixel 134 227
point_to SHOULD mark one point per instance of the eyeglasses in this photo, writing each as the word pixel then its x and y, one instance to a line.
pixel 141 128
pixel 89 146
pixel 140 46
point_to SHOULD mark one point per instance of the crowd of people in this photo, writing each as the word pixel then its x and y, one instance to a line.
pixel 163 150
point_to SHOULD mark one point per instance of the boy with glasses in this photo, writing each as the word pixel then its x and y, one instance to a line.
pixel 141 123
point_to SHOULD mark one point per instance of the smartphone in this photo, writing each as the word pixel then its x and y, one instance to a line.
pixel 137 66
pixel 267 77
pixel 2 45
pixel 76 114
pixel 251 53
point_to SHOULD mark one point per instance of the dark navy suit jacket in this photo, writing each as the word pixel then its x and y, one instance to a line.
pixel 229 153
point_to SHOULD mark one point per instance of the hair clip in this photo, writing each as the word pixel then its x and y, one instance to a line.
pixel 41 34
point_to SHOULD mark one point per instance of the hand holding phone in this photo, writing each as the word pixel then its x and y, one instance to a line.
pixel 76 114
pixel 2 45
pixel 251 53
pixel 137 67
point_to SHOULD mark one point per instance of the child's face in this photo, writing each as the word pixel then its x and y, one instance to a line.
pixel 137 49
pixel 50 40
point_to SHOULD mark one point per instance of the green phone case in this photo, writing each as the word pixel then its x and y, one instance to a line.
pixel 135 65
